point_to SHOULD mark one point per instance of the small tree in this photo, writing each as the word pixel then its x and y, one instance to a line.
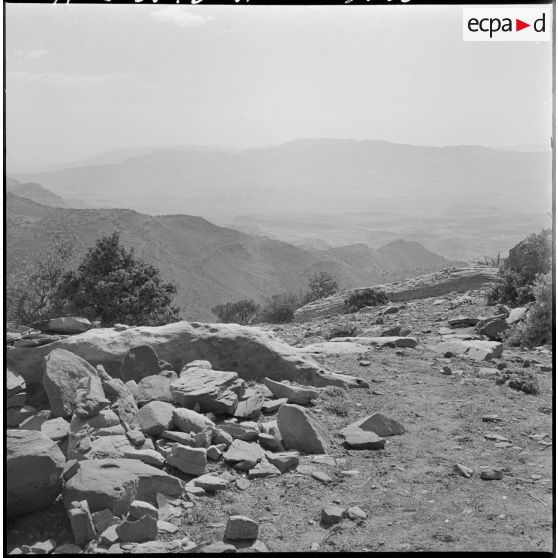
pixel 31 288
pixel 112 285
pixel 320 285
pixel 241 312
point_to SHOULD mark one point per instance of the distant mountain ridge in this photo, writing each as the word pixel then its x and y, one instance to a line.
pixel 210 264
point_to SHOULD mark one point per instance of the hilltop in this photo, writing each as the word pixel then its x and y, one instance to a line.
pixel 210 264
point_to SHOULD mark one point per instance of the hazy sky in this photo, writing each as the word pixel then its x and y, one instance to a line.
pixel 86 79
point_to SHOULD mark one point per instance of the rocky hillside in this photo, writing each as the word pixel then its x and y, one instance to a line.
pixel 210 264
pixel 410 420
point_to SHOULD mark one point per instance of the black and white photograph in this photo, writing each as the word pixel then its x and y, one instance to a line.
pixel 279 278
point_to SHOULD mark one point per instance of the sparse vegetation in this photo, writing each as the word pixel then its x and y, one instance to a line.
pixel 242 312
pixel 528 259
pixel 279 308
pixel 30 291
pixel 112 285
pixel 320 285
pixel 341 330
pixel 536 329
pixel 364 297
pixel 520 380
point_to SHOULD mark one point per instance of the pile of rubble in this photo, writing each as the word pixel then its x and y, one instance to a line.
pixel 129 451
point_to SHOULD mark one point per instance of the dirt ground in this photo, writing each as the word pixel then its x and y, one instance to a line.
pixel 413 499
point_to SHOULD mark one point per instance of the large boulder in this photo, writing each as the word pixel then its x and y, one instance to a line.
pixel 63 373
pixel 250 351
pixel 187 420
pixel 66 325
pixel 301 430
pixel 140 361
pixel 116 483
pixel 34 465
pixel 214 391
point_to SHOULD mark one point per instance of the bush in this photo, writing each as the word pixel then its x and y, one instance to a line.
pixel 364 297
pixel 320 285
pixel 279 309
pixel 112 285
pixel 523 381
pixel 528 259
pixel 30 290
pixel 241 312
pixel 536 329
pixel 341 330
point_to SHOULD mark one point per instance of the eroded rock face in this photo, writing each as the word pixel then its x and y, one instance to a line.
pixel 65 325
pixel 249 351
pixel 140 361
pixel 34 468
pixel 457 280
pixel 477 350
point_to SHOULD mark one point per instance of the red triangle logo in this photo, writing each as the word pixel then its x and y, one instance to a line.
pixel 519 25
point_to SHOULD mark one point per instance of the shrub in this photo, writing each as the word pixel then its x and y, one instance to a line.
pixel 279 309
pixel 536 329
pixel 31 288
pixel 523 381
pixel 112 285
pixel 364 297
pixel 528 259
pixel 320 285
pixel 341 330
pixel 241 312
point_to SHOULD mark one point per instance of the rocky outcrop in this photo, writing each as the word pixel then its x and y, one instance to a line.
pixel 439 283
pixel 249 351
pixel 34 465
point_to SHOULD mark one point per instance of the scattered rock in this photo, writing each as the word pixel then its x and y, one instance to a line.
pixel 81 522
pixel 188 421
pixel 263 469
pixel 103 519
pixel 218 547
pixel 211 483
pixel 191 461
pixel 301 430
pixel 379 424
pixel 212 390
pixel 155 417
pixel 242 483
pixel 144 529
pixel 153 388
pixel 240 527
pixel 272 405
pixel 241 451
pixel 356 513
pixel 321 476
pixel 463 471
pixel 493 328
pixel 492 474
pixel 138 509
pixel 246 431
pixel 332 515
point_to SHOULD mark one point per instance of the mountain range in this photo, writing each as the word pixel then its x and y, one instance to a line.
pixel 208 263
pixel 460 201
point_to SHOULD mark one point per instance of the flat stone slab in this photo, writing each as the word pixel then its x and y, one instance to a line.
pixel 477 350
pixel 210 389
pixel 399 342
